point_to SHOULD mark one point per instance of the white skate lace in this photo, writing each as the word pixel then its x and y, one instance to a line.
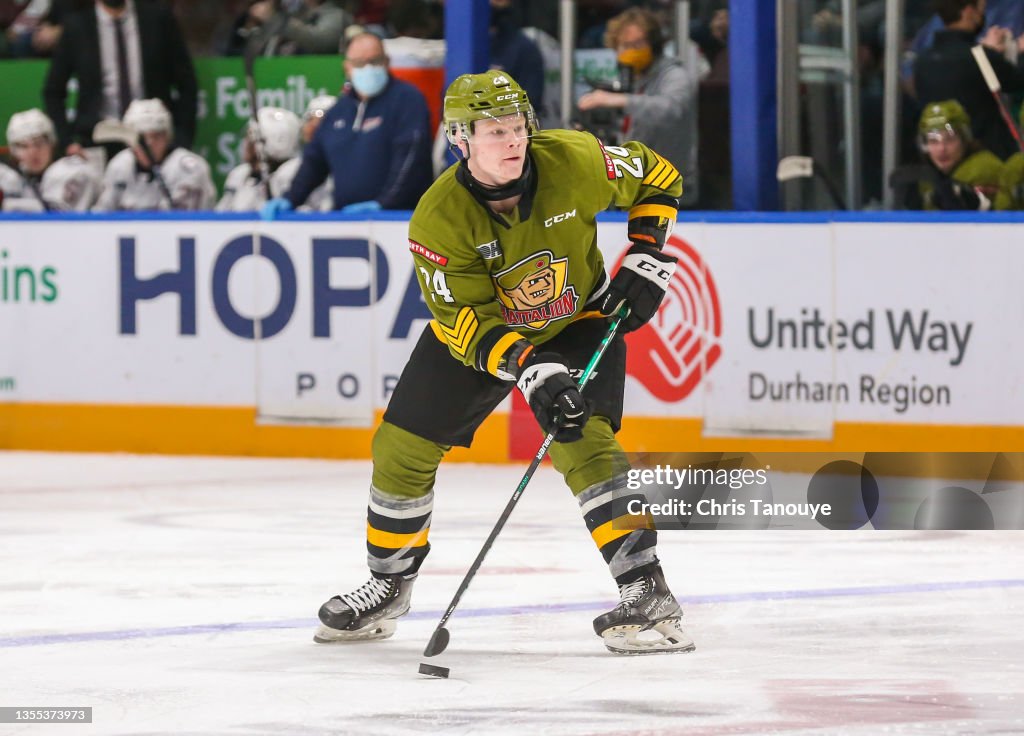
pixel 630 593
pixel 368 595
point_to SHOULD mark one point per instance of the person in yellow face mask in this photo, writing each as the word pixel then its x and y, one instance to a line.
pixel 659 105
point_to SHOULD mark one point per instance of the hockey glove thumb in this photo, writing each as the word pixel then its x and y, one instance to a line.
pixel 640 284
pixel 554 397
pixel 275 207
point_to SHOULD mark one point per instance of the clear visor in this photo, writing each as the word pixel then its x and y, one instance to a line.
pixel 515 121
pixel 945 134
pixel 504 128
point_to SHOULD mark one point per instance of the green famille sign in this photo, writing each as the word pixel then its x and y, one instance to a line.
pixel 223 100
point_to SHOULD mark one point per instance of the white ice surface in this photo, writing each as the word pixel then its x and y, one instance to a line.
pixel 179 596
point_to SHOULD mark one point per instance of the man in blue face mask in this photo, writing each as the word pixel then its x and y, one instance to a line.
pixel 375 142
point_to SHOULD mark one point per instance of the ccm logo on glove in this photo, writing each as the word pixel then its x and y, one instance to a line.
pixel 640 284
pixel 654 268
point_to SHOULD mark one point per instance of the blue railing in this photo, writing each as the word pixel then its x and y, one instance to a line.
pixel 713 217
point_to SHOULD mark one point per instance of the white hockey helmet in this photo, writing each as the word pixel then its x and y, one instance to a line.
pixel 280 130
pixel 148 116
pixel 318 106
pixel 28 125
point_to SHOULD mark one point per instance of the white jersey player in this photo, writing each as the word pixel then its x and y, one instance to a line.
pixel 175 178
pixel 243 191
pixel 322 197
pixel 38 183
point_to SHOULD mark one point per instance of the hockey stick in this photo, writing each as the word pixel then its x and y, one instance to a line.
pixel 114 131
pixel 985 67
pixel 439 640
pixel 253 131
pixel 805 167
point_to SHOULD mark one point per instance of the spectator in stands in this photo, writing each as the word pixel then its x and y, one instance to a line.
pixel 20 30
pixel 278 132
pixel 374 143
pixel 540 14
pixel 710 30
pixel 949 70
pixel 119 51
pixel 959 174
pixel 661 110
pixel 826 25
pixel 415 19
pixel 1002 15
pixel 592 18
pixel 155 174
pixel 9 11
pixel 40 183
pixel 48 32
pixel 316 28
pixel 373 14
pixel 512 51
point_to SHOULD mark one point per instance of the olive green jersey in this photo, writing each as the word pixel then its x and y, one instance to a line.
pixel 1011 191
pixel 492 281
pixel 981 170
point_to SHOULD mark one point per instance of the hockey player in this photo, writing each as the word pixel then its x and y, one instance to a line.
pixel 958 174
pixel 320 199
pixel 243 190
pixel 174 179
pixel 314 115
pixel 40 184
pixel 505 242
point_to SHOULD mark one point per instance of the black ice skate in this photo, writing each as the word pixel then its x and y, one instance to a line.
pixel 369 612
pixel 646 621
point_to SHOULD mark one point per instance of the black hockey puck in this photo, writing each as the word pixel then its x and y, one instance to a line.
pixel 433 670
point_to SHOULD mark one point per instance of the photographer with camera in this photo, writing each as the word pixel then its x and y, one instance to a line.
pixel 658 98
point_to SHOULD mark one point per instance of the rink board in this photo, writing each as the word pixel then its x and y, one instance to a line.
pixel 229 336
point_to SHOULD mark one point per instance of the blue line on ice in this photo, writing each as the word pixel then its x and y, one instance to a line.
pixel 301 623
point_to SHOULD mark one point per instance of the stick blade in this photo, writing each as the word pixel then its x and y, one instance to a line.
pixel 795 167
pixel 985 67
pixel 114 131
pixel 432 670
pixel 438 642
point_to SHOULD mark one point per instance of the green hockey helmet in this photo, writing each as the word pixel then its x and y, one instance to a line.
pixel 488 95
pixel 944 117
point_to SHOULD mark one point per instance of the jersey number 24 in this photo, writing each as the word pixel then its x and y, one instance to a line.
pixel 437 286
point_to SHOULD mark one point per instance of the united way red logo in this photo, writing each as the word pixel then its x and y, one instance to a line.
pixel 678 347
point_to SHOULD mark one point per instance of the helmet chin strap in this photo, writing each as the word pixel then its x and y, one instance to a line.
pixel 514 188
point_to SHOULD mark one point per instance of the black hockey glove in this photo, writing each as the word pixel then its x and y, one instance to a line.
pixel 640 283
pixel 952 195
pixel 554 397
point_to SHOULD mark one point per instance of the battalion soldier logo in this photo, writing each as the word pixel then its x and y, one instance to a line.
pixel 533 292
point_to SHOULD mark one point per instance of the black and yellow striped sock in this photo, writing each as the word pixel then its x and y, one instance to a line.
pixel 627 542
pixel 396 532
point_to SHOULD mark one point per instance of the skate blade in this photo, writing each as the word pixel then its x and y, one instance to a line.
pixel 379 630
pixel 628 640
